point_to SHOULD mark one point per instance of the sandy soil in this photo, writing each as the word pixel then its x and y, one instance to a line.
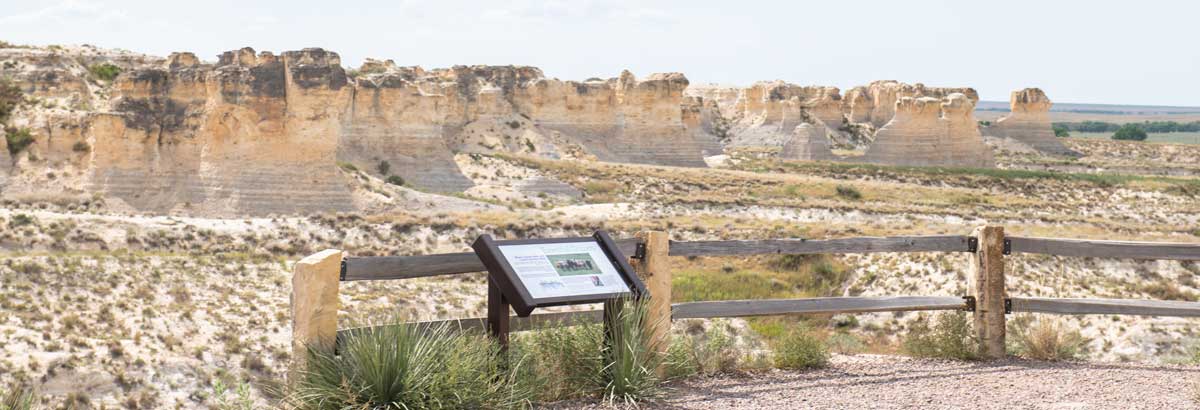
pixel 891 382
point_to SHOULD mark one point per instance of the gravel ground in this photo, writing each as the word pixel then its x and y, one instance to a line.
pixel 892 382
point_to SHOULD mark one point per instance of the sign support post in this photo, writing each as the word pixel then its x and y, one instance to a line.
pixel 527 274
pixel 497 316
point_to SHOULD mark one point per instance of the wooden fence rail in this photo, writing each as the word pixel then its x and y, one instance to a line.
pixel 316 278
pixel 942 243
pixel 1107 307
pixel 1106 249
pixel 760 307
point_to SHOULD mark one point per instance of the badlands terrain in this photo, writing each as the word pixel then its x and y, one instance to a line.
pixel 150 222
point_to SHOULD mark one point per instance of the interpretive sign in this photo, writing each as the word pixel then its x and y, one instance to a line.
pixel 531 273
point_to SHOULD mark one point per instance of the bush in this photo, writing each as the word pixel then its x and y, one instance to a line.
pixel 572 362
pixel 1045 339
pixel 1061 131
pixel 105 71
pixel 348 167
pixel 631 362
pixel 709 353
pixel 1130 132
pixel 384 168
pixel 406 367
pixel 395 180
pixel 18 139
pixel 81 147
pixel 801 350
pixel 19 398
pixel 951 337
pixel 848 192
pixel 10 98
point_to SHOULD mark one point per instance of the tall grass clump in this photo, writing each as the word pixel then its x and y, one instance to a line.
pixel 1045 339
pixel 950 337
pixel 632 356
pixel 20 397
pixel 801 349
pixel 408 367
pixel 706 352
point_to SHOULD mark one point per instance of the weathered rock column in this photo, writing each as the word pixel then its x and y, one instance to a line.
pixel 987 285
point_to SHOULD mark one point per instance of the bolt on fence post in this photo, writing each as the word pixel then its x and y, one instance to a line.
pixel 655 271
pixel 987 285
pixel 314 305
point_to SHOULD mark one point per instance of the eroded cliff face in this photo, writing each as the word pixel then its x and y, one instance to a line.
pixel 1029 123
pixel 253 133
pixel 875 103
pixel 770 115
pixel 927 131
pixel 258 133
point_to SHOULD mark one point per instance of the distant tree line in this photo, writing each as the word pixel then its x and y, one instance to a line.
pixel 1154 127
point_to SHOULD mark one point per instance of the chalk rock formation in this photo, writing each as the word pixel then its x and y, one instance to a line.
pixel 771 114
pixel 808 142
pixel 258 133
pixel 251 134
pixel 1029 123
pixel 875 103
pixel 919 135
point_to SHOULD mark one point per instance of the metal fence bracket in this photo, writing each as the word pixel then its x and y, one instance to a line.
pixel 972 244
pixel 970 303
pixel 639 251
pixel 1008 246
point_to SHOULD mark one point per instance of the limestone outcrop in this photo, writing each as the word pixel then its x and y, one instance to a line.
pixel 927 131
pixel 1029 123
pixel 875 103
pixel 258 133
pixel 791 118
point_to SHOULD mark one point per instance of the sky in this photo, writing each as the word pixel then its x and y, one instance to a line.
pixel 1110 52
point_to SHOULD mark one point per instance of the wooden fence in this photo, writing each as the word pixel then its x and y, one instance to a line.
pixel 316 279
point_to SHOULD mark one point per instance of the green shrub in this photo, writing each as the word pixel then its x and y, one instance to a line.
pixel 348 167
pixel 1061 131
pixel 570 362
pixel 1045 339
pixel 710 352
pixel 800 349
pixel 18 139
pixel 19 220
pixel 632 360
pixel 848 192
pixel 1130 132
pixel 384 167
pixel 951 337
pixel 19 398
pixel 395 180
pixel 81 147
pixel 104 71
pixel 564 359
pixel 10 98
pixel 406 367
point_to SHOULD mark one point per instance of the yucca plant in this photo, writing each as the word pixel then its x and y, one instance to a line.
pixel 409 367
pixel 632 354
pixel 617 362
pixel 19 398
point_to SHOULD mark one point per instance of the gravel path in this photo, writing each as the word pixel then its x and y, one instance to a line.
pixel 892 382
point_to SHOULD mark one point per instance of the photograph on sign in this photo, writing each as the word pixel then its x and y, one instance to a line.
pixel 564 269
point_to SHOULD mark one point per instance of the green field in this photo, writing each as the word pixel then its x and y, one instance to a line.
pixel 1172 137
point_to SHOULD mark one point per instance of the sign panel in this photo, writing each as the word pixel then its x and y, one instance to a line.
pixel 533 273
pixel 564 269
